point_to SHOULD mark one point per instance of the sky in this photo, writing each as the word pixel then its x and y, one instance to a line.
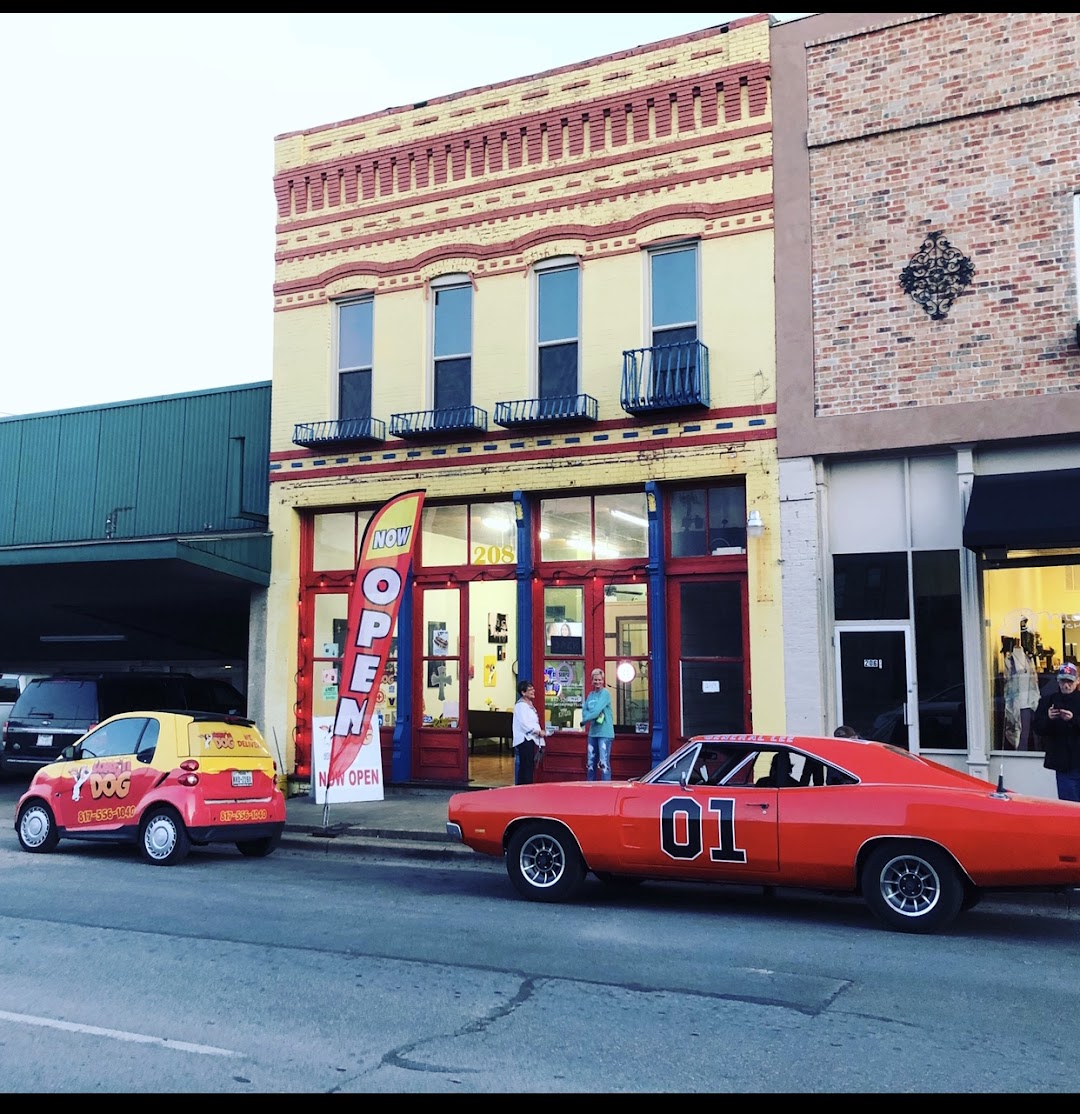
pixel 136 169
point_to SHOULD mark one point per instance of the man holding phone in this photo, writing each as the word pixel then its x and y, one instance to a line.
pixel 1057 722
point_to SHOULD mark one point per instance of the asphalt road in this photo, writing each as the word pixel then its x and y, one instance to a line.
pixel 322 970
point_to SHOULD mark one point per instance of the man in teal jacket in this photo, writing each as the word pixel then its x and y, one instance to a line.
pixel 597 719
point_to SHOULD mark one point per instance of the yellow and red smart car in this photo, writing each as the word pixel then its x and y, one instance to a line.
pixel 161 780
pixel 918 840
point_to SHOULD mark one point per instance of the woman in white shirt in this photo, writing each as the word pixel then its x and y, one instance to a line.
pixel 528 735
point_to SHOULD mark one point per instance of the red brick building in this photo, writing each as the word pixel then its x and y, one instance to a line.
pixel 928 375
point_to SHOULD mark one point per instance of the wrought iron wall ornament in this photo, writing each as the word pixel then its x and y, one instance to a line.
pixel 936 275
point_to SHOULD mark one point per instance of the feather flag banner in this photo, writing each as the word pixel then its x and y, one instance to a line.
pixel 381 570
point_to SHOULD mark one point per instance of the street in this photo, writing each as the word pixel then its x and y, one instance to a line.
pixel 313 971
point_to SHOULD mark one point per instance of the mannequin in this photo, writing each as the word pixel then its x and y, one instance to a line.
pixel 1021 693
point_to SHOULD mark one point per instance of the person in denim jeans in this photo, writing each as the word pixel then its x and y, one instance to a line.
pixel 1057 723
pixel 596 718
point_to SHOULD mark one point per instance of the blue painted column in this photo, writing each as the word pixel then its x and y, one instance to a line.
pixel 658 640
pixel 524 572
pixel 401 760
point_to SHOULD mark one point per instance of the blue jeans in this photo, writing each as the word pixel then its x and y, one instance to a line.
pixel 603 745
pixel 1068 785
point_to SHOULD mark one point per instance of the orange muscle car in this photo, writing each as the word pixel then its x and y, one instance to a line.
pixel 918 840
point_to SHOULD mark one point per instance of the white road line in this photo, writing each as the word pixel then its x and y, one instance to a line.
pixel 115 1034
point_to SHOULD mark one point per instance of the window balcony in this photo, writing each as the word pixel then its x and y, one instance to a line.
pixel 564 410
pixel 344 431
pixel 665 377
pixel 439 423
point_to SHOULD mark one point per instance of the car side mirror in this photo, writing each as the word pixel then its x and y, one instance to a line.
pixel 71 754
pixel 684 777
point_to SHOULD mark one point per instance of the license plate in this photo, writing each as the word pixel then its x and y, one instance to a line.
pixel 241 779
pixel 44 740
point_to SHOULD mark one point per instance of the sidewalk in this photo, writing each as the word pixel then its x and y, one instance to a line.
pixel 410 822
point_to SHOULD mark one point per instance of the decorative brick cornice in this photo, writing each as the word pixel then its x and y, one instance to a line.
pixel 695 104
pixel 717 33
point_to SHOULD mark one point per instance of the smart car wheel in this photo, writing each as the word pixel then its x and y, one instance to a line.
pixel 544 862
pixel 37 828
pixel 258 848
pixel 163 839
pixel 912 888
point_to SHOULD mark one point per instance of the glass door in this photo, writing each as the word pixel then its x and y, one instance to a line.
pixel 441 737
pixel 874 690
pixel 711 689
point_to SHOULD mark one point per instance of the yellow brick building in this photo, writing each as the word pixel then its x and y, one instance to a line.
pixel 549 304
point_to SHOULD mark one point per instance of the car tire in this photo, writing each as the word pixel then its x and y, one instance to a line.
pixel 258 848
pixel 163 839
pixel 37 829
pixel 912 887
pixel 544 862
pixel 618 881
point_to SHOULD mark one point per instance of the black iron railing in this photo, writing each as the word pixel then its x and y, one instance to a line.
pixel 665 377
pixel 427 423
pixel 546 411
pixel 343 431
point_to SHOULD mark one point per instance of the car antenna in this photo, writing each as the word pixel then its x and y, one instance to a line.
pixel 1000 791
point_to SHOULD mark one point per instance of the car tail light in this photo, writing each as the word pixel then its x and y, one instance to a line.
pixel 189 764
pixel 188 779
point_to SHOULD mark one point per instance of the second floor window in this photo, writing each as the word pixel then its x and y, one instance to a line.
pixel 673 291
pixel 453 346
pixel 557 331
pixel 354 359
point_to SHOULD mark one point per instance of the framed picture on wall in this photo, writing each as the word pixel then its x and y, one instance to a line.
pixel 438 647
pixel 498 628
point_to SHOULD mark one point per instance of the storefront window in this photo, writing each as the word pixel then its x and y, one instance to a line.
pixel 564 656
pixel 708 521
pixel 870 586
pixel 939 644
pixel 1032 619
pixel 331 622
pixel 583 528
pixel 469 534
pixel 566 529
pixel 626 654
pixel 622 525
pixel 492 534
pixel 444 536
pixel 335 539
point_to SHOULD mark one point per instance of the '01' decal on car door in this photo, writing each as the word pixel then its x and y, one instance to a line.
pixel 685 813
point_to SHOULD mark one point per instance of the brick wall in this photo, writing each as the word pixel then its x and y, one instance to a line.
pixel 967 124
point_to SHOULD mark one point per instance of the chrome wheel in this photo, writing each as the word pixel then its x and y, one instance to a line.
pixel 910 885
pixel 544 862
pixel 912 888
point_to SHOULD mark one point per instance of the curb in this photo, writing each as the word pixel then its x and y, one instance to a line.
pixel 376 844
